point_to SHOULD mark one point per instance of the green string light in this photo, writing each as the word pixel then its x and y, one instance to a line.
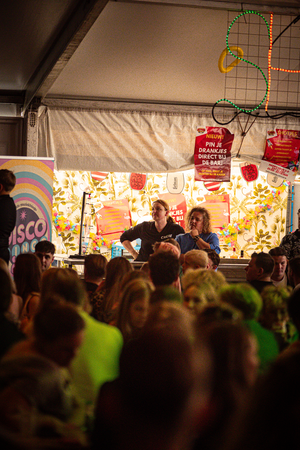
pixel 248 62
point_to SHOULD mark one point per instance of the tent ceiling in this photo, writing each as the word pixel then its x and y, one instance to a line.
pixel 49 48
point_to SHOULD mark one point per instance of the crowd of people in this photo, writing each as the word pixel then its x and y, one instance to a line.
pixel 167 357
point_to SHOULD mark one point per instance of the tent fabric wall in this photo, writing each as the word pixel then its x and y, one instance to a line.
pixel 139 141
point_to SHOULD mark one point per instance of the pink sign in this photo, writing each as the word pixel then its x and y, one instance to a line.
pixel 177 204
pixel 212 154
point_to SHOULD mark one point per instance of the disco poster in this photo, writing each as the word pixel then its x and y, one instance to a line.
pixel 32 194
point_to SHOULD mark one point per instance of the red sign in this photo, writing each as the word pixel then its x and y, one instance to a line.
pixel 177 204
pixel 113 218
pixel 282 149
pixel 137 181
pixel 249 171
pixel 212 154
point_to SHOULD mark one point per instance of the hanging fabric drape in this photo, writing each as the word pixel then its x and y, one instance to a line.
pixel 138 141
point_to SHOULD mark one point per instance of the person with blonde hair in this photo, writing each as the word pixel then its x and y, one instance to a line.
pixel 195 259
pixel 200 287
pixel 161 228
pixel 199 235
pixel 274 315
pixel 134 307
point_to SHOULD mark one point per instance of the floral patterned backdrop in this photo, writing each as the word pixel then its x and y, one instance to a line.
pixel 257 211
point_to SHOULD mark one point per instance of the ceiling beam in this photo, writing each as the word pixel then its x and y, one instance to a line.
pixel 285 7
pixel 16 97
pixel 77 26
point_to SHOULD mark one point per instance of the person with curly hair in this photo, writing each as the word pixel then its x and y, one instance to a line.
pixel 199 235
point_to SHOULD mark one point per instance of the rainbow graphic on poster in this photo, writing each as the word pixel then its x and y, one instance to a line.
pixel 32 195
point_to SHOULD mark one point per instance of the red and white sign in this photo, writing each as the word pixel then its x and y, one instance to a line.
pixel 212 186
pixel 99 176
pixel 212 155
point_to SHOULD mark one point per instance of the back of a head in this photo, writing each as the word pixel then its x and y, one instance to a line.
pixel 94 266
pixel 165 293
pixel 278 251
pixel 234 372
pixel 7 179
pixel 64 283
pixel 294 308
pixel 274 405
pixel 38 380
pixel 45 247
pixel 213 256
pixel 199 276
pixel 275 296
pixel 294 266
pixel 218 312
pixel 116 269
pixel 196 259
pixel 264 261
pixel 133 275
pixel 164 268
pixel 243 297
pixel 56 319
pixel 170 316
pixel 5 291
pixel 156 372
pixel 27 274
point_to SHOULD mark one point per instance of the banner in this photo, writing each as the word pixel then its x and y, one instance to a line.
pixel 219 208
pixel 33 199
pixel 281 155
pixel 113 218
pixel 177 204
pixel 212 155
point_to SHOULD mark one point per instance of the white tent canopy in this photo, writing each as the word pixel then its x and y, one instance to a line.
pixel 140 141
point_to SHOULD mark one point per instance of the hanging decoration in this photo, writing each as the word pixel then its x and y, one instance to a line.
pixel 99 176
pixel 137 181
pixel 175 182
pixel 274 180
pixel 61 223
pixel 99 241
pixel 212 186
pixel 249 171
